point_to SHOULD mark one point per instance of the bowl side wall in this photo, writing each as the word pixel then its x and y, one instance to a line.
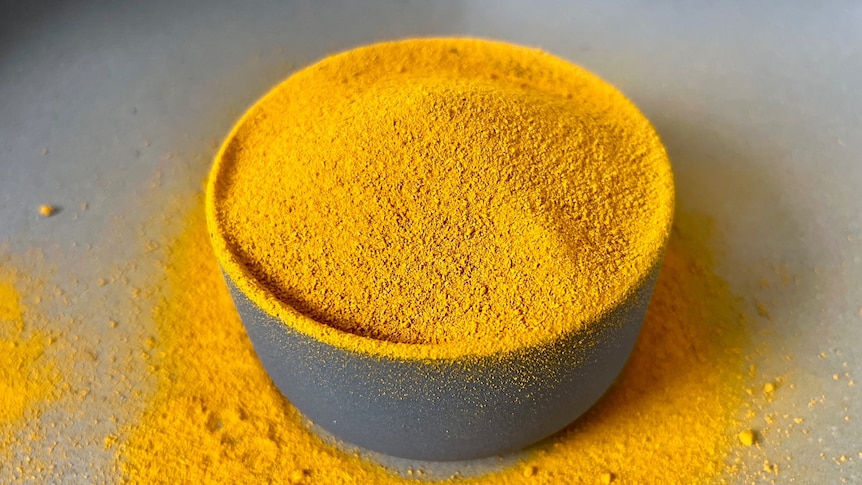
pixel 443 410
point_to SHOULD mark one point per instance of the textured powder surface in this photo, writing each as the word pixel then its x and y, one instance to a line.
pixel 29 379
pixel 26 377
pixel 470 194
pixel 217 418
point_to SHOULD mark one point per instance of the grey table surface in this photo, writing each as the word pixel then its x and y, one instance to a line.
pixel 760 107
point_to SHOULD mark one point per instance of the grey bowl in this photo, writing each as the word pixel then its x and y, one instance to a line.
pixel 447 409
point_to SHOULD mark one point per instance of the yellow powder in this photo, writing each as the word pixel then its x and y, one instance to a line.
pixel 747 437
pixel 25 377
pixel 217 418
pixel 473 195
pixel 10 306
pixel 668 419
pixel 46 210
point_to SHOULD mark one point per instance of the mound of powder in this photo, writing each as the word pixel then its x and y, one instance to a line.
pixel 441 191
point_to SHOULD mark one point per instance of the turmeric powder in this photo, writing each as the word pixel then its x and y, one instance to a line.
pixel 27 377
pixel 216 417
pixel 473 195
pixel 46 210
pixel 24 378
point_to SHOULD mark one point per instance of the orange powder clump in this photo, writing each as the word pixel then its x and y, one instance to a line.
pixel 46 210
pixel 217 418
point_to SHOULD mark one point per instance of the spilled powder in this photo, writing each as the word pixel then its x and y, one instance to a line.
pixel 470 194
pixel 216 417
pixel 29 380
pixel 26 377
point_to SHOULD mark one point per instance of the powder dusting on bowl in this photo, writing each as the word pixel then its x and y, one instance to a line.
pixel 472 195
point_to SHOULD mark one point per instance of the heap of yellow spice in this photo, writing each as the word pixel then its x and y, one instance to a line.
pixel 469 194
pixel 26 377
pixel 215 417
pixel 472 195
pixel 29 379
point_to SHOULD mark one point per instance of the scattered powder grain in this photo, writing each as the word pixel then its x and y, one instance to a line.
pixel 25 376
pixel 474 195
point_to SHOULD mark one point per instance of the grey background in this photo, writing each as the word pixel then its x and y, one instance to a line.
pixel 759 106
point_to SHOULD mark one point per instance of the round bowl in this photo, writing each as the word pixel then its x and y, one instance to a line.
pixel 460 399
